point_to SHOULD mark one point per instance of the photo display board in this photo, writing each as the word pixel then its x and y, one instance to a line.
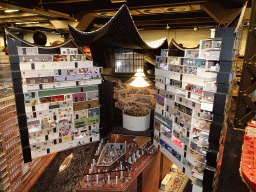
pixel 58 100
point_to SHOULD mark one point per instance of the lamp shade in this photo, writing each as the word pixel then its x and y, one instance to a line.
pixel 139 81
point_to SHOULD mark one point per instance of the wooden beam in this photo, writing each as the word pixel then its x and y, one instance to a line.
pixel 17 15
pixel 49 13
pixel 59 24
pixel 19 20
pixel 214 10
pixel 218 13
pixel 85 21
pixel 43 25
pixel 67 1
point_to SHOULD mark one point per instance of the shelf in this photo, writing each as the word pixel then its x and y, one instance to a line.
pixel 199 143
pixel 48 89
pixel 198 169
pixel 198 152
pixel 212 71
pixel 57 81
pixel 205 130
pixel 200 159
pixel 198 182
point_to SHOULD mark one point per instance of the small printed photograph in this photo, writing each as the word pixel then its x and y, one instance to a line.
pixel 57 98
pixel 216 44
pixel 77 58
pixel 77 97
pixel 34 126
pixel 58 58
pixel 45 99
pixel 206 44
pixel 27 50
pixel 161 59
pixel 157 125
pixel 164 52
pixel 74 58
pixel 160 100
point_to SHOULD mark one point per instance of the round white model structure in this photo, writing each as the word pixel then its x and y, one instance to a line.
pixel 136 123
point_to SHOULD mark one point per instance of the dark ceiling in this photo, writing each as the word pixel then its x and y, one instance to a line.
pixel 146 14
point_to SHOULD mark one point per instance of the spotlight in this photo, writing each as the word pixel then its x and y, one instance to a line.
pixel 167 26
pixel 195 28
pixel 11 10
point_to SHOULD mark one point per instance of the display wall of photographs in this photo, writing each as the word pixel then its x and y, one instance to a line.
pixel 59 117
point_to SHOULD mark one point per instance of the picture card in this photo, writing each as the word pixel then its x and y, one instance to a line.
pixel 68 51
pixel 27 50
pixel 164 52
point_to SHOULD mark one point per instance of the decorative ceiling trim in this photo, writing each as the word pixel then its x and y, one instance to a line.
pixel 154 10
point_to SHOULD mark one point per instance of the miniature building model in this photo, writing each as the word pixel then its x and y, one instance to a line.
pixel 59 88
pixel 111 153
pixel 120 165
pixel 15 174
pixel 192 103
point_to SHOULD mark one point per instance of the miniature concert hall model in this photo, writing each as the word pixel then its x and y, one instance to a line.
pixel 175 181
pixel 136 103
pixel 117 164
pixel 59 90
pixel 247 168
pixel 192 104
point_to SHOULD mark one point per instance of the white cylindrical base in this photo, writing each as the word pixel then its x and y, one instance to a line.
pixel 108 179
pixel 134 123
pixel 116 180
pixel 97 179
pixel 129 160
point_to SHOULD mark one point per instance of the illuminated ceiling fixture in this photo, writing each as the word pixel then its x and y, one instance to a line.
pixel 31 22
pixel 139 80
pixel 167 26
pixel 11 10
pixel 196 28
pixel 118 1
